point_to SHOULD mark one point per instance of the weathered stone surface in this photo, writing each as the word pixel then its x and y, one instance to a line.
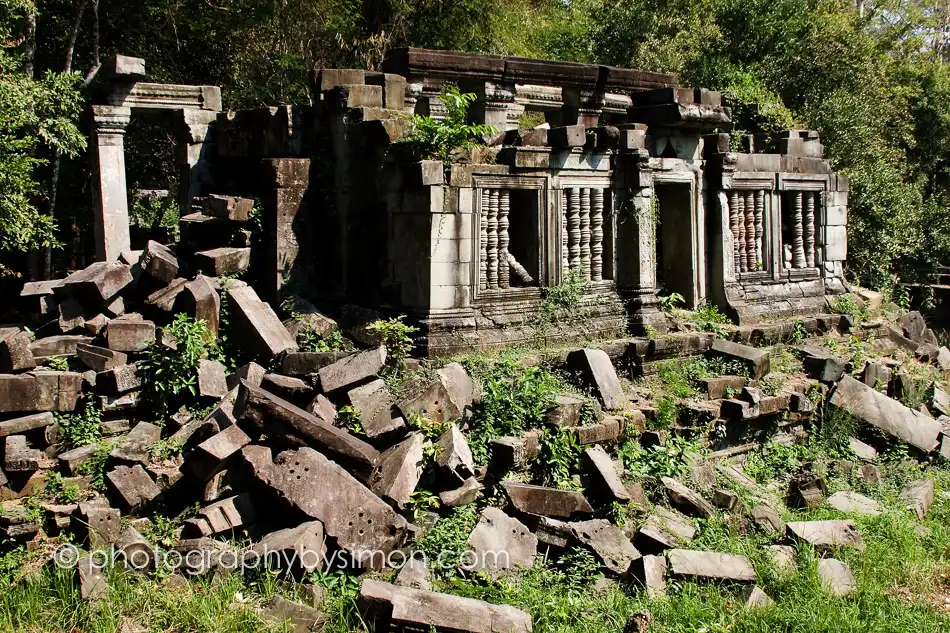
pixel 252 373
pixel 549 502
pixel 37 297
pixel 259 325
pixel 807 490
pixel 119 380
pixel 757 360
pixel 888 415
pixel 164 298
pixel 306 363
pixel 212 455
pixel 604 477
pixel 943 358
pixel 93 585
pixel 687 500
pixel 501 543
pixel 387 605
pixel 719 387
pixel 40 390
pixel 228 207
pixel 137 552
pixel 375 406
pixel 281 420
pixel 228 515
pixel 100 359
pixel 782 556
pixel 768 519
pixel 298 548
pixel 595 369
pixel 415 574
pixel 212 379
pixel 433 402
pixel 17 426
pixel 100 524
pixel 302 618
pixel 352 370
pixel 837 577
pixel 649 572
pixel 918 497
pixel 684 563
pixel 454 455
pixel 399 470
pixel 135 447
pixel 18 457
pixel 727 500
pixel 461 389
pixel 61 345
pixel 607 430
pixel 70 461
pixel 663 530
pixel 863 451
pixel 132 487
pixel 754 598
pixel 15 352
pixel 200 300
pixel 467 493
pixel 825 534
pixel 608 543
pixel 159 262
pixel 97 283
pixel 876 375
pixel 854 503
pixel 129 334
pixel 354 516
pixel 913 325
pixel 566 411
pixel 227 260
pixel 820 364
pixel 939 399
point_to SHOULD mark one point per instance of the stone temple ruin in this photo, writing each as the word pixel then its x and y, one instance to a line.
pixel 629 182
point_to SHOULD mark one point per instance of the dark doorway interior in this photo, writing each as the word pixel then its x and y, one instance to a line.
pixel 674 243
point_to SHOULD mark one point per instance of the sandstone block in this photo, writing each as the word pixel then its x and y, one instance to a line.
pixel 97 283
pixel 132 487
pixel 352 370
pixel 15 352
pixel 837 577
pixel 129 334
pixel 594 368
pixel 825 534
pixel 501 543
pixel 918 497
pixel 612 548
pixel 159 262
pixel 259 325
pixel 455 456
pixel 709 566
pixel 226 260
pixel 16 426
pixel 399 470
pixel 375 406
pixel 757 360
pixel 135 447
pixel 549 502
pixel 604 476
pixel 300 548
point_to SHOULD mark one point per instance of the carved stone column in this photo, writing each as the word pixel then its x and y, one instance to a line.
pixel 585 234
pixel 759 227
pixel 574 228
pixel 751 246
pixel 503 208
pixel 565 262
pixel 492 266
pixel 597 235
pixel 798 244
pixel 808 234
pixel 493 103
pixel 111 203
pixel 743 261
pixel 483 241
pixel 734 225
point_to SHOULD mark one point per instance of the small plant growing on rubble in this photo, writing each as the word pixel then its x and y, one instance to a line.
pixel 396 335
pixel 82 427
pixel 57 363
pixel 95 466
pixel 672 301
pixel 849 304
pixel 560 454
pixel 561 302
pixel 57 489
pixel 349 417
pixel 438 138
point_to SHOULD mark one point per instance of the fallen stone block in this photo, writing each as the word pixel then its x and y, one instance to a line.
pixel 432 402
pixel 252 373
pixel 593 366
pixel 278 418
pixel 307 363
pixel 136 552
pixel 97 283
pixel 913 325
pixel 60 345
pixel 258 325
pixel 649 573
pixel 852 502
pixel 782 556
pixel 768 519
pixel 99 524
pixel 93 585
pixel 130 334
pixel 18 457
pixel 301 618
pixel 820 364
pixel 212 455
pixel 375 406
pixel 15 352
pixel 943 358
pixel 862 451
pixel 387 606
pixel 119 380
pixel 229 515
pixel 727 500
pixel 212 379
pixel 607 541
pixel 70 461
pixel 132 487
pixel 204 555
pixel 467 493
pixel 757 360
pixel 918 497
pixel 513 453
pixel 159 262
pixel 16 426
pixel 501 543
pixel 455 456
pixel 99 359
pixel 415 574
pixel 461 389
pixel 399 470
pixel 603 474
pixel 308 317
pixel 549 502
pixel 610 429
pixel 226 260
pixel 663 530
pixel 691 564
pixel 289 388
pixel 352 371
pixel 135 447
pixel 836 576
pixel 37 297
pixel 754 598
pixel 565 412
pixel 309 482
pixel 228 207
pixel 890 416
pixel 722 386
pixel 939 399
pixel 687 500
pixel 301 548
pixel 825 534
pixel 164 298
pixel 200 300
pixel 807 491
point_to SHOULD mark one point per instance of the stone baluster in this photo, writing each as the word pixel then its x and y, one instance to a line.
pixel 750 243
pixel 565 203
pixel 798 246
pixel 483 241
pixel 503 209
pixel 585 234
pixel 759 226
pixel 574 228
pixel 492 266
pixel 809 229
pixel 597 235
pixel 740 224
pixel 734 226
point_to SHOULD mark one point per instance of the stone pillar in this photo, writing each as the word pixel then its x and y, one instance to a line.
pixel 503 239
pixel 287 249
pixel 798 242
pixel 597 235
pixel 495 99
pixel 196 152
pixel 585 234
pixel 808 233
pixel 582 107
pixel 740 225
pixel 111 205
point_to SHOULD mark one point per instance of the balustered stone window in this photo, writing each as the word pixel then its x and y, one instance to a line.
pixel 587 233
pixel 509 238
pixel 748 216
pixel 801 211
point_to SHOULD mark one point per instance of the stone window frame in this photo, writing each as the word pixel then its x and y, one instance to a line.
pixel 804 183
pixel 772 229
pixel 607 182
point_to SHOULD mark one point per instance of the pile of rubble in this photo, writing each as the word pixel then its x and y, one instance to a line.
pixel 274 464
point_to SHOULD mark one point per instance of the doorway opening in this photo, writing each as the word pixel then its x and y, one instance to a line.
pixel 675 261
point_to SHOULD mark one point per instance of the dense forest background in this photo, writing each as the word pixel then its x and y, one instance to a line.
pixel 873 78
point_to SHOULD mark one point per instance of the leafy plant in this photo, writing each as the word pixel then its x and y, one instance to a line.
pixel 672 301
pixel 95 466
pixel 445 544
pixel 162 530
pixel 166 449
pixel 439 138
pixel 396 335
pixel 422 501
pixel 849 304
pixel 558 458
pixel 430 430
pixel 58 490
pixel 57 363
pixel 349 417
pixel 659 461
pixel 81 428
pixel 561 302
pixel 310 340
pixel 798 334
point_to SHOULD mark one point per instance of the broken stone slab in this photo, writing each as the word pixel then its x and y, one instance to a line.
pixel 70 461
pixel 205 555
pixel 513 453
pixel 603 473
pixel 862 451
pixel 387 606
pixel 549 502
pixel 226 260
pixel 258 325
pixel 608 543
pixel 135 447
pixel 876 375
pixel 649 573
pixel 200 300
pixel 299 548
pixel 309 482
pixel 501 543
pixel 287 387
pixel 130 334
pixel 836 576
pixel 855 503
pixel 768 519
pixel 890 416
pixel 375 406
pixel 467 493
pixel 913 325
pixel 782 556
pixel 93 585
pixel 463 392
pixel 757 360
pixel 455 455
pixel 306 363
pixel 27 423
pixel 399 470
pixel 136 552
pixel 252 373
pixel 352 371
pixel 663 530
pixel 807 490
pixel 687 500
pixel 432 402
pixel 720 387
pixel 727 500
pixel 301 618
pixel 229 515
pixel 692 564
pixel 60 345
pixel 119 380
pixel 15 352
pixel 415 574
pixel 943 358
pixel 565 412
pixel 212 379
pixel 159 262
pixel 594 368
pixel 610 429
pixel 939 399
pixel 754 598
pixel 228 207
pixel 132 487
pixel 100 524
pixel 211 456
pixel 164 298
pixel 37 297
pixel 97 283
pixel 19 457
pixel 278 418
pixel 820 364
pixel 98 358
pixel 918 497
pixel 825 534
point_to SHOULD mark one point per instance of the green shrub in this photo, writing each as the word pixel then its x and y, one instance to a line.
pixel 437 138
pixel 83 427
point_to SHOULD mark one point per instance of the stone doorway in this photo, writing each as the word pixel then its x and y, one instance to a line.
pixel 676 268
